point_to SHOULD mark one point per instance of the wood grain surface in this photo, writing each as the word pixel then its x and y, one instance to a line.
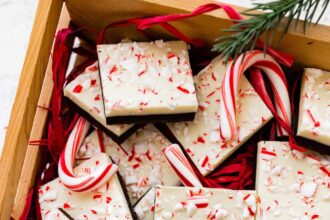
pixel 26 100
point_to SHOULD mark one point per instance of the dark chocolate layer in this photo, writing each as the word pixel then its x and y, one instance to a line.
pixel 118 139
pixel 131 119
pixel 65 214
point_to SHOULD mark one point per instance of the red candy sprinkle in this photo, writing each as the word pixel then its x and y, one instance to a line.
pixel 202 108
pixel 108 200
pixel 264 151
pixel 113 69
pixel 246 197
pixel 66 205
pixel 324 170
pixel 315 216
pixel 170 55
pixel 251 211
pixel 97 98
pixel 183 89
pixel 200 140
pixel 97 196
pixel 206 159
pixel 92 68
pixel 93 82
pixel 316 123
pixel 209 95
pixel 142 72
pixel 213 77
pixel 78 88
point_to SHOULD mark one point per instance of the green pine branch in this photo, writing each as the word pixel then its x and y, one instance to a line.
pixel 243 34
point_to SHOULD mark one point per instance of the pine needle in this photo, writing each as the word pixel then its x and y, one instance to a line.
pixel 244 33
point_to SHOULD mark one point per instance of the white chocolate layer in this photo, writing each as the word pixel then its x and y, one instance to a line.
pixel 204 203
pixel 314 109
pixel 146 78
pixel 145 208
pixel 291 184
pixel 85 91
pixel 140 159
pixel 201 137
pixel 108 202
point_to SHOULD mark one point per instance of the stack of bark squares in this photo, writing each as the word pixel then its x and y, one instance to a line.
pixel 134 85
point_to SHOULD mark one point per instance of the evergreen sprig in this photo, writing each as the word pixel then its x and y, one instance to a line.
pixel 243 34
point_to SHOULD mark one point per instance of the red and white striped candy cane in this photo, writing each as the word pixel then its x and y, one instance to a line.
pixel 230 84
pixel 65 169
pixel 181 166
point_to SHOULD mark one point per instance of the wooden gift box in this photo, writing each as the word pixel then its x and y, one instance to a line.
pixel 19 161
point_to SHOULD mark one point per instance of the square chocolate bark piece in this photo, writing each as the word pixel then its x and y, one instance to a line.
pixel 147 82
pixel 107 202
pixel 201 137
pixel 314 109
pixel 141 161
pixel 292 184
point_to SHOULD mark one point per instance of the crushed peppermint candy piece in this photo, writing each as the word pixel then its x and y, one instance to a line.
pixel 294 188
pixel 108 202
pixel 217 203
pixel 202 136
pixel 140 159
pixel 314 107
pixel 157 71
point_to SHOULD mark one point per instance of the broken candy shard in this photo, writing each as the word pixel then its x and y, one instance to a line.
pixel 144 209
pixel 75 59
pixel 140 159
pixel 201 137
pixel 84 92
pixel 314 108
pixel 147 82
pixel 107 202
pixel 204 203
pixel 292 184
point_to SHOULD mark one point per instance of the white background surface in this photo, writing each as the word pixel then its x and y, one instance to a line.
pixel 16 18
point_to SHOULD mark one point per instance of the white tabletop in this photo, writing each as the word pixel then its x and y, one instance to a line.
pixel 16 19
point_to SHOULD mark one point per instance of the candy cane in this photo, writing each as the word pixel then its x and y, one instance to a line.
pixel 230 88
pixel 181 166
pixel 65 169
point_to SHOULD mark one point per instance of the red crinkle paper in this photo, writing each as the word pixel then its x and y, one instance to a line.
pixel 236 173
pixel 61 119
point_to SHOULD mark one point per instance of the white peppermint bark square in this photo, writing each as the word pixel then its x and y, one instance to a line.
pixel 147 81
pixel 85 92
pixel 314 108
pixel 204 203
pixel 141 161
pixel 201 137
pixel 145 208
pixel 292 184
pixel 108 202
